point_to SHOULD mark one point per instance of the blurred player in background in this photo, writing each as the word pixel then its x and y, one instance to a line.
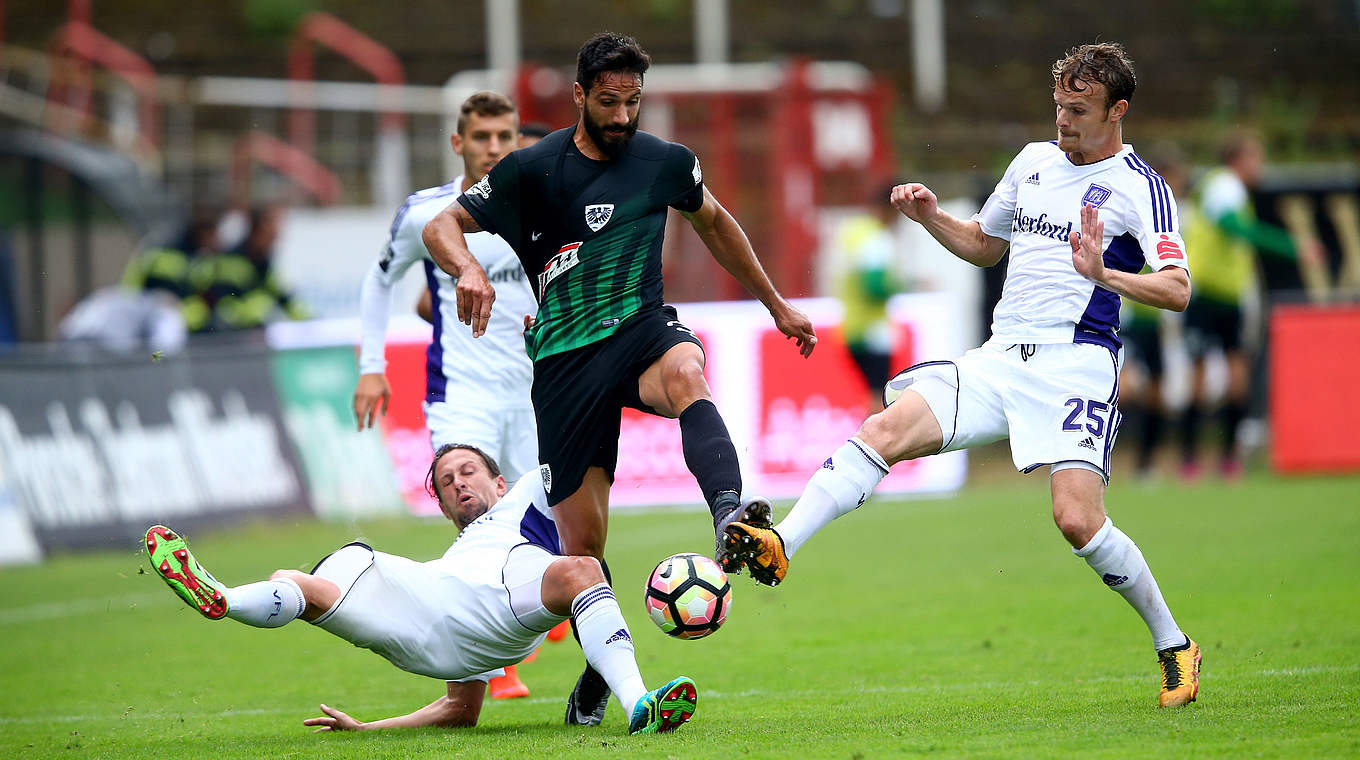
pixel 864 285
pixel 486 604
pixel 1081 215
pixel 585 209
pixel 1141 328
pixel 476 392
pixel 528 135
pixel 532 132
pixel 1226 237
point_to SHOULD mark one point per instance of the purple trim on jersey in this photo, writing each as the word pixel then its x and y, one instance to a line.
pixel 1157 189
pixel 539 530
pixel 1099 323
pixel 435 381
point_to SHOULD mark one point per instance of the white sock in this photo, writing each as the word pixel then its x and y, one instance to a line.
pixel 1117 560
pixel 267 604
pixel 607 644
pixel 842 484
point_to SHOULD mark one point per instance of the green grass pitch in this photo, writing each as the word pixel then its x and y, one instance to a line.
pixel 955 627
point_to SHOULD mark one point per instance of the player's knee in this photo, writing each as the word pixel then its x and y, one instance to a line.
pixel 293 575
pixel 579 573
pixel 685 383
pixel 1076 521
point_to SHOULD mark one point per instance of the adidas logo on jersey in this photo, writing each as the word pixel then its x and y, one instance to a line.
pixel 1087 443
pixel 1033 179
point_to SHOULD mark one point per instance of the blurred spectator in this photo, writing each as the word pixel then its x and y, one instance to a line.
pixel 182 270
pixel 242 290
pixel 1223 239
pixel 864 285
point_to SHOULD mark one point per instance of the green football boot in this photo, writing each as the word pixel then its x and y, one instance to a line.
pixel 665 709
pixel 171 558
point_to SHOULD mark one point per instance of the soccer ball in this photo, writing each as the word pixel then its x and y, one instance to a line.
pixel 688 596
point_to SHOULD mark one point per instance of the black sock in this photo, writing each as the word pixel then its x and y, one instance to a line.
pixel 1232 414
pixel 1151 424
pixel 709 452
pixel 1189 432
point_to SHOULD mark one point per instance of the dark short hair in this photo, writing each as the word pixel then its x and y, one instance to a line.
pixel 535 129
pixel 490 463
pixel 1104 62
pixel 485 103
pixel 1238 143
pixel 609 52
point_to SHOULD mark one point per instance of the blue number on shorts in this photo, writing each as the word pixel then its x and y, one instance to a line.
pixel 1070 424
pixel 1099 421
pixel 1094 411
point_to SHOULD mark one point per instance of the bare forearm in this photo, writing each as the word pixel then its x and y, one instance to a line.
pixel 965 239
pixel 1167 289
pixel 444 239
pixel 441 712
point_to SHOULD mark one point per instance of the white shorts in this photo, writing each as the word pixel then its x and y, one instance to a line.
pixel 508 435
pixel 1055 401
pixel 458 619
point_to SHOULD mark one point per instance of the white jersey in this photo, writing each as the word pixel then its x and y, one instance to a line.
pixel 492 371
pixel 1037 206
pixel 462 616
pixel 521 516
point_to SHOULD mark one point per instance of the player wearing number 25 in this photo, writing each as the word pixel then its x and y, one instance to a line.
pixel 1083 216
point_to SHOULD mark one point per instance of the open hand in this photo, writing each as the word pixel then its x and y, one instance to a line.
pixel 333 720
pixel 1088 258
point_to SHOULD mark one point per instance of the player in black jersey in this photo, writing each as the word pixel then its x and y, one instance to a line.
pixel 585 210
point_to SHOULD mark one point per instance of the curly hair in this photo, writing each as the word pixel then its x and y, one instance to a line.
pixel 1103 62
pixel 607 52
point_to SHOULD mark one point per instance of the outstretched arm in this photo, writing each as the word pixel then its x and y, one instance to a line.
pixel 459 708
pixel 445 240
pixel 1167 288
pixel 964 239
pixel 732 249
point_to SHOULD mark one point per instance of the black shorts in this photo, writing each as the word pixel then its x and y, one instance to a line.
pixel 874 366
pixel 579 397
pixel 1212 323
pixel 1143 345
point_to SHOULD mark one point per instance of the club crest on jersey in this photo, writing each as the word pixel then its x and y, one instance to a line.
pixel 565 259
pixel 482 188
pixel 1096 195
pixel 546 473
pixel 598 215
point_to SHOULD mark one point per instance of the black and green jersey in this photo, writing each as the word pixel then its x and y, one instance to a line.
pixel 587 232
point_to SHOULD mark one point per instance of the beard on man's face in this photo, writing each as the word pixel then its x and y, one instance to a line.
pixel 611 140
